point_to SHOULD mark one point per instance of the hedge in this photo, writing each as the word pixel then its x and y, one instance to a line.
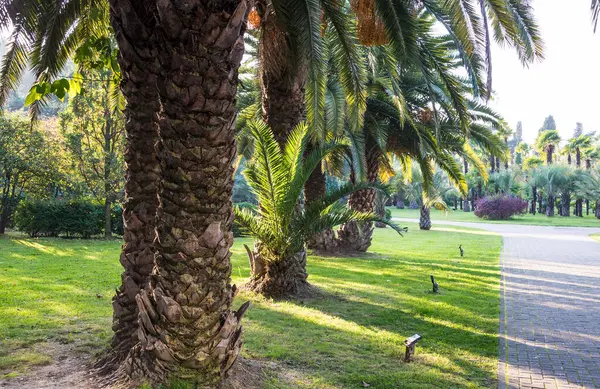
pixel 53 218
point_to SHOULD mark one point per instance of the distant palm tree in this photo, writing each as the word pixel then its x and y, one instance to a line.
pixel 588 186
pixel 432 197
pixel 547 141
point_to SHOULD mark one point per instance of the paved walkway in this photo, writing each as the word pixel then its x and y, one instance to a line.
pixel 550 306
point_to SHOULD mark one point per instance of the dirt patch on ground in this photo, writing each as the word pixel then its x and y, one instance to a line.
pixel 70 368
pixel 67 369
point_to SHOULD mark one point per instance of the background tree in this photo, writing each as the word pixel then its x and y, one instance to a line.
pixel 94 136
pixel 547 141
pixel 28 163
pixel 549 124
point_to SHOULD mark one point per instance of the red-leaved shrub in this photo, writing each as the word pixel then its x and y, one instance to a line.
pixel 500 207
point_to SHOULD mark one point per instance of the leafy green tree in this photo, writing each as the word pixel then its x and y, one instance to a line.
pixel 94 133
pixel 28 164
pixel 281 228
pixel 549 124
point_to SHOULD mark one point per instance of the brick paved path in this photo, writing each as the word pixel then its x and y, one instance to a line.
pixel 550 309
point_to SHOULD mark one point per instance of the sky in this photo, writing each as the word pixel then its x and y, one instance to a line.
pixel 566 84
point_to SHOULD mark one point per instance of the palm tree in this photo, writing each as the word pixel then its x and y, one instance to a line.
pixel 552 179
pixel 278 261
pixel 433 197
pixel 57 33
pixel 504 132
pixel 547 141
pixel 193 329
pixel 588 186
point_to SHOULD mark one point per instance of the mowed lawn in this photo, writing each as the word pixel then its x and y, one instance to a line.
pixel 528 219
pixel 60 291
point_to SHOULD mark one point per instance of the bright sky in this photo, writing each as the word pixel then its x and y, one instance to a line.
pixel 566 84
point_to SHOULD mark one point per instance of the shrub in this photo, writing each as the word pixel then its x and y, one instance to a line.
pixel 116 216
pixel 500 207
pixel 236 228
pixel 52 218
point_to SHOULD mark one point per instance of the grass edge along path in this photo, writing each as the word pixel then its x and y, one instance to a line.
pixel 528 219
pixel 351 335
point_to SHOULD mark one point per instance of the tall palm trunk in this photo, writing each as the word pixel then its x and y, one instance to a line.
pixel 550 206
pixel 186 326
pixel 315 189
pixel 466 207
pixel 577 157
pixel 533 199
pixel 133 24
pixel 282 83
pixel 565 205
pixel 597 213
pixel 506 162
pixel 357 236
pixel 549 153
pixel 492 163
pixel 425 218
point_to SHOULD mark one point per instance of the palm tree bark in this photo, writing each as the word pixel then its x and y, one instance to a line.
pixel 565 208
pixel 597 209
pixel 550 206
pixel 282 84
pixel 425 218
pixel 187 328
pixel 355 236
pixel 133 25
pixel 315 189
pixel 549 153
pixel 278 277
pixel 533 199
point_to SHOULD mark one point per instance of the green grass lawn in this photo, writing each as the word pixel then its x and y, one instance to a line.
pixel 537 219
pixel 354 333
pixel 596 236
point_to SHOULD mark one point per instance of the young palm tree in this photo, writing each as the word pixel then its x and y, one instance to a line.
pixel 548 141
pixel 278 261
pixel 521 153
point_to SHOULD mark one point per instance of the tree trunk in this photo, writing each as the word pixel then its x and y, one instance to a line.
pixel 466 207
pixel 356 236
pixel 565 205
pixel 569 159
pixel 400 201
pixel 550 206
pixel 549 152
pixel 278 277
pixel 498 164
pixel 133 23
pixel 579 207
pixel 588 164
pixel 460 202
pixel 577 157
pixel 282 83
pixel 534 199
pixel 587 206
pixel 425 218
pixel 506 143
pixel 597 209
pixel 492 164
pixel 314 189
pixel 540 202
pixel 107 218
pixel 186 325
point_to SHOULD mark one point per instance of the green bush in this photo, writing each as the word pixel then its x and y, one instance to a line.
pixel 236 228
pixel 117 219
pixel 388 214
pixel 54 218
